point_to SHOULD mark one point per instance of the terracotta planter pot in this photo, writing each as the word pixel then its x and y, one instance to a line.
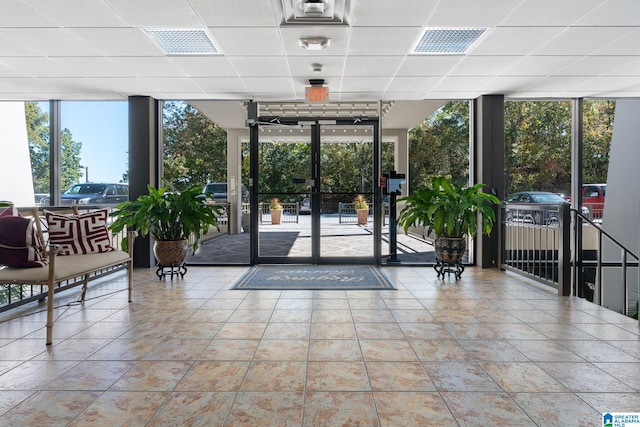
pixel 170 253
pixel 450 250
pixel 276 216
pixel 363 216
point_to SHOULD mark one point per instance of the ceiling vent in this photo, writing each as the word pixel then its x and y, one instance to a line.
pixel 443 41
pixel 315 11
pixel 183 41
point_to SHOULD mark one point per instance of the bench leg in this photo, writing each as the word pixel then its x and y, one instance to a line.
pixel 85 282
pixel 130 279
pixel 50 292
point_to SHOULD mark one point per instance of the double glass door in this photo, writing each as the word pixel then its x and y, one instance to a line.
pixel 305 177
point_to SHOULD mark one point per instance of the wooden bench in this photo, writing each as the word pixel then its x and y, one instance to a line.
pixel 59 268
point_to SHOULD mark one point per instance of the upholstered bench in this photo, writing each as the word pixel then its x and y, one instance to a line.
pixel 58 246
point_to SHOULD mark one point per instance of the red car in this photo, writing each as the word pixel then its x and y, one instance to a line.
pixel 593 199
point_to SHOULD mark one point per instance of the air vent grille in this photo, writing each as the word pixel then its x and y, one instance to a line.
pixel 179 41
pixel 448 40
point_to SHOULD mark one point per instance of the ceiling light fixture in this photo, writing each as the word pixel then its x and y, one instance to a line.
pixel 442 41
pixel 183 41
pixel 314 43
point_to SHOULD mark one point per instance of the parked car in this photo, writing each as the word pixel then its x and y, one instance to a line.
pixel 217 191
pixel 535 216
pixel 593 200
pixel 92 194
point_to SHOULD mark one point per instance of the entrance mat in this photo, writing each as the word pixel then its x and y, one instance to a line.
pixel 314 277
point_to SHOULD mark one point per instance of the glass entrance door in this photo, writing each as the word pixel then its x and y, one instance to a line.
pixel 305 178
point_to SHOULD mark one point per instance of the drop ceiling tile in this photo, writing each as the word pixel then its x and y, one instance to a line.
pixel 383 40
pixel 119 41
pixel 508 84
pixel 581 40
pixel 268 84
pixel 172 84
pixel 220 84
pixel 16 13
pixel 536 12
pixel 429 65
pixel 78 13
pixel 626 45
pixel 247 41
pixel 460 84
pixel 540 65
pixel 95 66
pixel 157 13
pixel 613 12
pixel 484 65
pixel 609 84
pixel 245 13
pixel 122 84
pixel 470 13
pixel 372 65
pixel 364 84
pixel 392 13
pixel 514 40
pixel 160 66
pixel 595 65
pixel 51 42
pixel 265 66
pixel 406 84
pixel 204 65
pixel 558 83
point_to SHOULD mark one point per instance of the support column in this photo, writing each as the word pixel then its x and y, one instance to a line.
pixel 145 161
pixel 400 154
pixel 487 136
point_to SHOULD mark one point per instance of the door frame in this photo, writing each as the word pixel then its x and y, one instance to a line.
pixel 316 124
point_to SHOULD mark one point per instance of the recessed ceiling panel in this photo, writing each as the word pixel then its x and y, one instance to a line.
pixel 444 41
pixel 183 41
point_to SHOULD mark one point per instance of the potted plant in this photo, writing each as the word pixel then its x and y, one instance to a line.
pixel 276 211
pixel 170 217
pixel 451 212
pixel 362 209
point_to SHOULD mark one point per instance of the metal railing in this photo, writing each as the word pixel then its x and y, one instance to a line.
pixel 538 241
pixel 347 213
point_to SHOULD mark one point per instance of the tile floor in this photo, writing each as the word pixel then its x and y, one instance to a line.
pixel 492 349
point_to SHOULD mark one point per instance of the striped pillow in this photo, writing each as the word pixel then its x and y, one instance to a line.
pixel 79 234
pixel 20 244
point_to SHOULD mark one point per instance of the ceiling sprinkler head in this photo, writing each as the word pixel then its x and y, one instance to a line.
pixel 316 67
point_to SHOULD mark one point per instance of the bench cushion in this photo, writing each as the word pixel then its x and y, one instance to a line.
pixel 66 267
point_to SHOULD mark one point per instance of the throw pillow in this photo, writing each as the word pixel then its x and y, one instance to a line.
pixel 79 234
pixel 20 244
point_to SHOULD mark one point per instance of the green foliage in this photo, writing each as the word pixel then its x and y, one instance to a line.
pixel 38 136
pixel 5 204
pixel 439 145
pixel 166 215
pixel 275 204
pixel 195 148
pixel 449 209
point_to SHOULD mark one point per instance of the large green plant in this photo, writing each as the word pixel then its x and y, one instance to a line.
pixel 448 209
pixel 167 215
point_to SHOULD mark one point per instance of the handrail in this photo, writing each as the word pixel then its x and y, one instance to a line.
pixel 624 263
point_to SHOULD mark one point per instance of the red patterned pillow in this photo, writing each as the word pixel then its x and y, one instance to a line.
pixel 79 234
pixel 20 244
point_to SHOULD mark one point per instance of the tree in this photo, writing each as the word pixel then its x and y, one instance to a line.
pixel 38 136
pixel 439 145
pixel 195 148
pixel 598 130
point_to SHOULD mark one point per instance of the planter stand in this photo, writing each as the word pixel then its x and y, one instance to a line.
pixel 442 267
pixel 166 270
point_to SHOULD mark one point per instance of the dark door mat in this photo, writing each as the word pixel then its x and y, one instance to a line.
pixel 314 277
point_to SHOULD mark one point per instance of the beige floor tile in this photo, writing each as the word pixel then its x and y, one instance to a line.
pixel 194 409
pixel 398 376
pixel 485 409
pixel 266 376
pixel 522 376
pixel 214 376
pixel 49 408
pixel 120 408
pixel 334 350
pixel 91 375
pixel 412 409
pixel 330 409
pixel 339 331
pixel 222 349
pixel 337 376
pixel 558 409
pixel 390 350
pixel 266 409
pixel 289 350
pixel 460 376
pixel 152 376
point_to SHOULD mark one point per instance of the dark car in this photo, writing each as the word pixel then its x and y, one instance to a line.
pixel 534 216
pixel 92 194
pixel 218 192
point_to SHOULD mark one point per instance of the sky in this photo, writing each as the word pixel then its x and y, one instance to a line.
pixel 102 127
